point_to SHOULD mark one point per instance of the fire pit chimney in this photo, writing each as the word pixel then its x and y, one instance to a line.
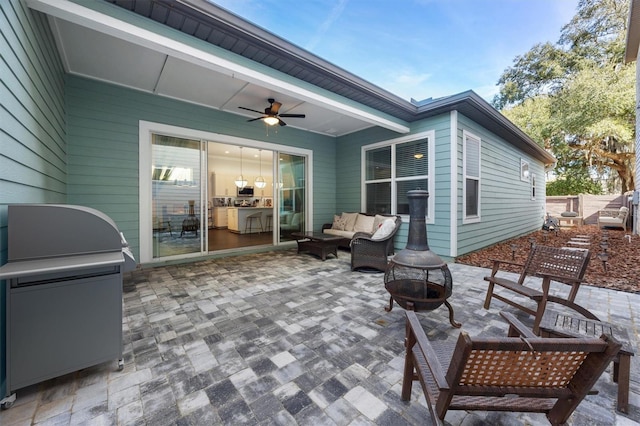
pixel 417 278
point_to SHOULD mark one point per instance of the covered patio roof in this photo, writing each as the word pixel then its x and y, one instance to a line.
pixel 197 52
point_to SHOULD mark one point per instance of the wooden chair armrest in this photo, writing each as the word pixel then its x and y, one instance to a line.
pixel 427 350
pixel 497 262
pixel 516 325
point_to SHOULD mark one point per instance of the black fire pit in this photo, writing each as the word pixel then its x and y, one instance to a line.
pixel 417 278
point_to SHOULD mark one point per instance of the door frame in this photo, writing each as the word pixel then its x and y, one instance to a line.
pixel 145 131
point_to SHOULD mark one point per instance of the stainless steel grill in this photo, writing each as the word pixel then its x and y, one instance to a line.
pixel 64 293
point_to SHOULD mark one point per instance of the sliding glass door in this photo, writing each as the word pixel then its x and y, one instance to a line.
pixel 176 188
pixel 190 204
pixel 292 199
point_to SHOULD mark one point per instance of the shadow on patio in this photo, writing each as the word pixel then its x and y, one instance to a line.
pixel 280 338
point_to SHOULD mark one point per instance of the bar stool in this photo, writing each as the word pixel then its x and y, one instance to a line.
pixel 251 218
pixel 268 222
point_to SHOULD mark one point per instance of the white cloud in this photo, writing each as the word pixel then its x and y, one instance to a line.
pixel 334 15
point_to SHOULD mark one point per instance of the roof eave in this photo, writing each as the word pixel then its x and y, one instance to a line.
pixel 633 32
pixel 476 108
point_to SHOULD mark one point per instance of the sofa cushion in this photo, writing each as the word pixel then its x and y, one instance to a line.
pixel 295 220
pixel 364 223
pixel 351 220
pixel 338 223
pixel 611 220
pixel 385 230
pixel 338 233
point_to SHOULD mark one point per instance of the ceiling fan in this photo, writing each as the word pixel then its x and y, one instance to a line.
pixel 271 116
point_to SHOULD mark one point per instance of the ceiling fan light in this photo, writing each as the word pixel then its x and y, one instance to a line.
pixel 271 121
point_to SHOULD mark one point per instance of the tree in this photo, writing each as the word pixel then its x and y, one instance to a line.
pixel 576 98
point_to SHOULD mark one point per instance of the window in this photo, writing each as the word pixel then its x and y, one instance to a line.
pixel 471 172
pixel 533 187
pixel 524 170
pixel 393 168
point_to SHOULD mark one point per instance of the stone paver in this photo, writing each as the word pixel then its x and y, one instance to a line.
pixel 280 338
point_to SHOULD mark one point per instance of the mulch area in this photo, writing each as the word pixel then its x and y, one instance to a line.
pixel 622 264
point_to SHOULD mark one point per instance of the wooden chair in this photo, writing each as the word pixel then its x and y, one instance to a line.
pixel 520 374
pixel 564 265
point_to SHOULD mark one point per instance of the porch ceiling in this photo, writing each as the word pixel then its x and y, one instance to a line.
pixel 97 46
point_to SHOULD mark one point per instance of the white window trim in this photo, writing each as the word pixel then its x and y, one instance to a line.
pixel 525 170
pixel 476 218
pixel 534 188
pixel 430 135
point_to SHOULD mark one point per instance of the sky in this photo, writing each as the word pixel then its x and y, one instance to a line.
pixel 416 49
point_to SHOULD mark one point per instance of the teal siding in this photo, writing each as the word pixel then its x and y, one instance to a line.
pixel 348 192
pixel 32 138
pixel 506 207
pixel 103 142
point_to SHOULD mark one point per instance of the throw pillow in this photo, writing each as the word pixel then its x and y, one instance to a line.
pixel 378 221
pixel 364 223
pixel 351 220
pixel 569 214
pixel 385 230
pixel 338 223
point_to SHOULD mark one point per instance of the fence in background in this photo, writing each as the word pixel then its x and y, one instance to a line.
pixel 587 205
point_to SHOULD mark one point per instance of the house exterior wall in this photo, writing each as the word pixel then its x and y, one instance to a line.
pixel 501 187
pixel 103 145
pixel 349 170
pixel 33 165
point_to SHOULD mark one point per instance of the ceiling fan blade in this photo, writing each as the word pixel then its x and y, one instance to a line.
pixel 293 115
pixel 249 109
pixel 282 123
pixel 254 119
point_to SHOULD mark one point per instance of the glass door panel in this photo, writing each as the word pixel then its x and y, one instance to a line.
pixel 292 196
pixel 176 196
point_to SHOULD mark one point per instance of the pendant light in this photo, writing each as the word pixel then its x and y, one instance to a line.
pixel 260 182
pixel 240 180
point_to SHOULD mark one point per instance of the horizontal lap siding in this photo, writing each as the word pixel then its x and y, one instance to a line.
pixel 348 190
pixel 439 233
pixel 506 207
pixel 32 121
pixel 103 147
pixel 32 136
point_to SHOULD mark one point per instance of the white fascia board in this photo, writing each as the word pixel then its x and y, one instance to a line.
pixel 90 18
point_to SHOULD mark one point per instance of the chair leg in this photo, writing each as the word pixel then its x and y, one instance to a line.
pixel 407 378
pixel 542 304
pixel 487 300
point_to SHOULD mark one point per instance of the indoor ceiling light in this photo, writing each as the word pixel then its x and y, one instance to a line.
pixel 240 180
pixel 260 182
pixel 418 156
pixel 271 121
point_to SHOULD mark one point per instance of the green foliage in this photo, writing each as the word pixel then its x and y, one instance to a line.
pixel 577 98
pixel 573 185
